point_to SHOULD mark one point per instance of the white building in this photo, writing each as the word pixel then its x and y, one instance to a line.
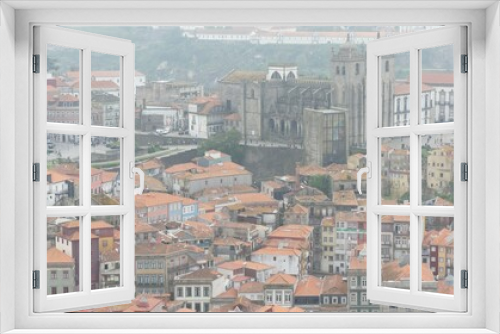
pixel 287 261
pixel 198 287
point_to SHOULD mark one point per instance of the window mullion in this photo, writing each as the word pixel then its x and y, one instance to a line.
pixel 415 177
pixel 86 111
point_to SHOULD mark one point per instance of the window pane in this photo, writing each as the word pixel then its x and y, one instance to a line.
pixel 436 104
pixel 105 252
pixel 63 254
pixel 437 169
pixel 105 174
pixel 63 169
pixel 437 254
pixel 105 87
pixel 63 85
pixel 395 170
pixel 395 251
pixel 394 89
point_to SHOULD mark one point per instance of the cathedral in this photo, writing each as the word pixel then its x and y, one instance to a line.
pixel 271 104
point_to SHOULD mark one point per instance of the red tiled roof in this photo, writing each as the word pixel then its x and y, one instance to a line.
pixel 437 77
pixel 252 287
pixel 280 279
pixel 308 286
pixel 56 256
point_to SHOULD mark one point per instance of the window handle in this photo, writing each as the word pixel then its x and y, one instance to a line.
pixel 368 171
pixel 134 170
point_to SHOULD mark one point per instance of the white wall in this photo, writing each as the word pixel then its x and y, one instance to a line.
pixel 7 159
pixel 492 162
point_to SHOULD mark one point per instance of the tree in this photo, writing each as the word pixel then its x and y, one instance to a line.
pixel 226 142
pixel 322 183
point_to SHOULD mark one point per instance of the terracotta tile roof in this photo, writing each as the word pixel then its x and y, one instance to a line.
pixel 292 231
pixel 403 88
pixel 110 256
pixel 185 310
pixel 145 249
pixel 277 251
pixel 182 168
pixel 56 256
pixel 151 183
pixel 144 228
pixel 345 175
pixel 58 177
pixel 311 170
pixel 236 76
pixel 308 286
pixel 241 304
pixel 214 216
pixel 252 287
pixel 444 238
pixel 280 309
pixel 345 197
pixel 334 285
pixel 272 184
pixel 436 78
pixel 150 164
pixel 442 202
pixel 233 117
pixel 233 265
pixel 100 224
pixel 392 271
pixel 357 263
pixel 155 199
pixel 143 303
pixel 108 176
pixel 99 84
pixel 206 274
pixel 343 216
pixel 281 279
pixel 214 172
pixel 444 287
pixel 241 278
pixel 232 293
pixel 298 209
pixel 75 236
pixel 254 198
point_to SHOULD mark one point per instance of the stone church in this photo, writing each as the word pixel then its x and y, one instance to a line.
pixel 271 103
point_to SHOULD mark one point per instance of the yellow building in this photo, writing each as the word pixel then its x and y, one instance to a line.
pixel 328 241
pixel 440 168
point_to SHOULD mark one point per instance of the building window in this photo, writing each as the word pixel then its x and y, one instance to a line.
pixel 206 291
pixel 189 292
pixel 180 291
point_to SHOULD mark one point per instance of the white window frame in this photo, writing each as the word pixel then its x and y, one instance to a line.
pixel 376 131
pixel 124 50
pixel 483 101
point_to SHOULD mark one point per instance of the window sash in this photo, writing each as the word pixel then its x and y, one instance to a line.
pixel 413 297
pixel 85 43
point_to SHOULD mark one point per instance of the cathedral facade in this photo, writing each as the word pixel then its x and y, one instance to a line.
pixel 271 103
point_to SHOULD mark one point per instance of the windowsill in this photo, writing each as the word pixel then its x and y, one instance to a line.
pixel 249 331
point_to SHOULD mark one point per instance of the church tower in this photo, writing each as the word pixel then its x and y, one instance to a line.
pixel 349 76
pixel 349 84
